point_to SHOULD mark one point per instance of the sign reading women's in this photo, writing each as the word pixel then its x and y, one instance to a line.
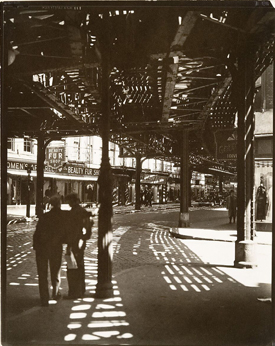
pixel 226 144
pixel 55 157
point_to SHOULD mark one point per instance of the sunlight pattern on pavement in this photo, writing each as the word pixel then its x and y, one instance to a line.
pixel 98 319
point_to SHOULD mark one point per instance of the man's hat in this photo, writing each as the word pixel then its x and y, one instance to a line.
pixel 55 201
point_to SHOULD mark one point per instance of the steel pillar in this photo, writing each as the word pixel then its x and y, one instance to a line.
pixel 245 247
pixel 184 182
pixel 40 174
pixel 220 184
pixel 137 185
pixel 273 213
pixel 104 287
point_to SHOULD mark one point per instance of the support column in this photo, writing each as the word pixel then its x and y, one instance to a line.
pixel 220 184
pixel 245 247
pixel 273 214
pixel 104 287
pixel 137 185
pixel 184 182
pixel 40 174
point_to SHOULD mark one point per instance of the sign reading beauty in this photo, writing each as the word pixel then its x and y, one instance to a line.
pixel 55 157
pixel 226 144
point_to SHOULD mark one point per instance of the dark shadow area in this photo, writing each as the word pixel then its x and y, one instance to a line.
pixel 164 294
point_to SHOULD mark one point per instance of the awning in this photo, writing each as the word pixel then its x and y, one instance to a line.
pixel 55 176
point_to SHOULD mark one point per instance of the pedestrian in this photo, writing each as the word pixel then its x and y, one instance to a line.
pixel 47 243
pixel 261 202
pixel 231 204
pixel 149 196
pixel 79 231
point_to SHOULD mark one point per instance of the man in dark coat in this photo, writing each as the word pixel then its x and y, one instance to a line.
pixel 79 231
pixel 47 242
pixel 231 205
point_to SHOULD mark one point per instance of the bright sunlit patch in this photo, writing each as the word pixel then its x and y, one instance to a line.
pixel 184 287
pixel 108 314
pixel 74 325
pixel 81 307
pixel 208 280
pixel 107 334
pixel 206 271
pixel 196 288
pixel 177 279
pixel 169 270
pixel 206 287
pixel 125 336
pixel 103 324
pixel 114 299
pixel 25 275
pixel 187 279
pixel 217 279
pixel 119 304
pixel 70 337
pixel 197 279
pixel 120 323
pixel 14 284
pixel 173 287
pixel 89 337
pixel 78 315
pixel 187 270
pixel 105 306
pixel 52 302
pixel 88 300
pixel 167 279
pixel 116 293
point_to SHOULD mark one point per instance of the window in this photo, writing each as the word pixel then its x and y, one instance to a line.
pixel 264 147
pixel 11 144
pixel 28 145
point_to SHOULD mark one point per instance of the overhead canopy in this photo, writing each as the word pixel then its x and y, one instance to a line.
pixel 172 68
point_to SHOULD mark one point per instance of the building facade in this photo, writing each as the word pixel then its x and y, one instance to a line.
pixel 73 164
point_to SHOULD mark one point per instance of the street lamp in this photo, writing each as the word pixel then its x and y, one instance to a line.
pixel 28 190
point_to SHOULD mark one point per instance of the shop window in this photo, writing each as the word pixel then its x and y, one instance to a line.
pixel 264 147
pixel 28 145
pixel 11 144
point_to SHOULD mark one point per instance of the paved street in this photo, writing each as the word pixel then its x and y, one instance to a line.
pixel 166 290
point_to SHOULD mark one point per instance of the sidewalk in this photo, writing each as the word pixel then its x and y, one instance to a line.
pixel 167 291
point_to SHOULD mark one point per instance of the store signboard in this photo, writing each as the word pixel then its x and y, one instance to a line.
pixel 55 157
pixel 72 169
pixel 226 144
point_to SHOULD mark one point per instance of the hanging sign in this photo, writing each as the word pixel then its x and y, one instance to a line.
pixel 226 144
pixel 55 157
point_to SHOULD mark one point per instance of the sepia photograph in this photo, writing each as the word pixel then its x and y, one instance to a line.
pixel 137 173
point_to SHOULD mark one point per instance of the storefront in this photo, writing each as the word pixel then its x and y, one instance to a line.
pixel 157 184
pixel 123 187
pixel 71 177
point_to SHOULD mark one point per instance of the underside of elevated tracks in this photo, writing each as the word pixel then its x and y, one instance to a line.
pixel 158 80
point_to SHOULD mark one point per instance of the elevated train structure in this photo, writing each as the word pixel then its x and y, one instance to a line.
pixel 158 80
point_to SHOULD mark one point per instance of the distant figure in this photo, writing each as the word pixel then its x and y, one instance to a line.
pixel 79 231
pixel 231 205
pixel 148 197
pixel 261 202
pixel 47 242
